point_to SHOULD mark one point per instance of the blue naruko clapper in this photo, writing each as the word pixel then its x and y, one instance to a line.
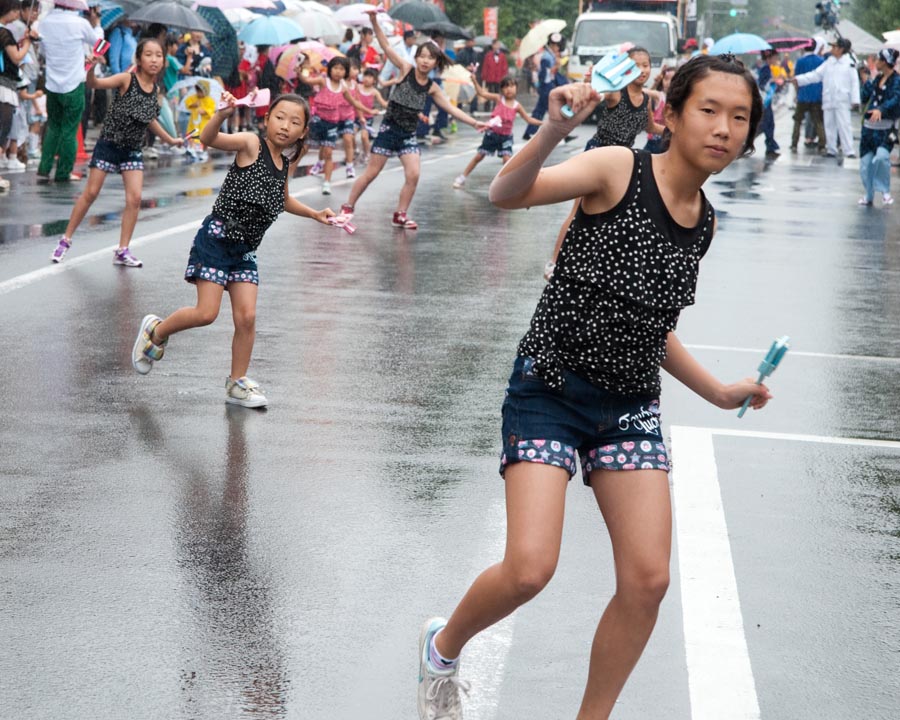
pixel 769 365
pixel 614 72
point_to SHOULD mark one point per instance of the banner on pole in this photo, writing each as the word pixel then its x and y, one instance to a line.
pixel 490 22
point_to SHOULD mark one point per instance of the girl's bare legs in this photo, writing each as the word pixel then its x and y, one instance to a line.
pixel 373 168
pixel 638 513
pixel 411 163
pixel 96 178
pixel 349 148
pixel 134 186
pixel 473 163
pixel 366 141
pixel 243 310
pixel 209 300
pixel 535 504
pixel 327 153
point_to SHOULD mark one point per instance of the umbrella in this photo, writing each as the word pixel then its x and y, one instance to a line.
pixel 224 51
pixel 536 38
pixel 269 30
pixel 324 26
pixel 891 35
pixel 215 89
pixel 486 41
pixel 417 13
pixel 289 61
pixel 234 4
pixel 449 30
pixel 739 44
pixel 73 4
pixel 171 13
pixel 458 84
pixel 355 15
pixel 110 13
pixel 788 44
pixel 240 17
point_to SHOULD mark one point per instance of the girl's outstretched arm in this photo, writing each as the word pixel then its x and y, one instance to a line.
pixel 681 365
pixel 444 103
pixel 295 207
pixel 161 133
pixel 245 144
pixel 522 182
pixel 481 92
pixel 530 120
pixel 402 65
pixel 119 81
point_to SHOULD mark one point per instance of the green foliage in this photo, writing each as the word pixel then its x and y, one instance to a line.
pixel 876 16
pixel 514 17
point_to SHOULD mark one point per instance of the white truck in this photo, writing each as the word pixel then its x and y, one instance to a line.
pixel 599 33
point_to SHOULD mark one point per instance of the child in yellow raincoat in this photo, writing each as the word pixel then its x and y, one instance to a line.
pixel 201 107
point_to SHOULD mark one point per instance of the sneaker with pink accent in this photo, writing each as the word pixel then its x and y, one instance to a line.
pixel 400 220
pixel 886 199
pixel 317 168
pixel 61 249
pixel 123 256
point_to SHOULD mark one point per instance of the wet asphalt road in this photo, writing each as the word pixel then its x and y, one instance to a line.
pixel 165 556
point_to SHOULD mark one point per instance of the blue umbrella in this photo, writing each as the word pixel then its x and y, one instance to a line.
pixel 269 30
pixel 277 10
pixel 738 44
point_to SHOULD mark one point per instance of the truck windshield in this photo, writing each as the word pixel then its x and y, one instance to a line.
pixel 600 35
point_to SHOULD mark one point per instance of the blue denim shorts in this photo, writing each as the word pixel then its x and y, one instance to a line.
pixel 213 257
pixel 392 140
pixel 110 158
pixel 347 127
pixel 323 132
pixel 606 430
pixel 494 144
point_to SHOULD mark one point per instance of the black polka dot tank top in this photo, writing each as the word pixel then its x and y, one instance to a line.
pixel 131 112
pixel 406 102
pixel 251 198
pixel 621 280
pixel 621 124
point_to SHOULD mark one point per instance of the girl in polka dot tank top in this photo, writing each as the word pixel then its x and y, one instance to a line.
pixel 223 255
pixel 585 386
pixel 118 150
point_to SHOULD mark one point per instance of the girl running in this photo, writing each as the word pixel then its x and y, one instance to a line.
pixel 223 255
pixel 333 101
pixel 498 140
pixel 586 380
pixel 118 150
pixel 620 118
pixel 397 134
pixel 368 95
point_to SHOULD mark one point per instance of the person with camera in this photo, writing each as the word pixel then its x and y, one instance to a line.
pixel 840 91
pixel 881 95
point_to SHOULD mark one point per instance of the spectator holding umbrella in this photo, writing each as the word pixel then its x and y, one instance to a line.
pixel 546 80
pixel 64 34
pixel 881 95
pixel 494 67
pixel 468 57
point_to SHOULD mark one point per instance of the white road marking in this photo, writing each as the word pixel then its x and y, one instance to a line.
pixel 795 353
pixel 720 677
pixel 29 278
pixel 794 437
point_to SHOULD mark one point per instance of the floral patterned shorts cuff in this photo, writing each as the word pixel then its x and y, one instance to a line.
pixel 544 452
pixel 639 455
pixel 220 277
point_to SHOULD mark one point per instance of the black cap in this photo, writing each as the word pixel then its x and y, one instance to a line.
pixel 843 43
pixel 409 34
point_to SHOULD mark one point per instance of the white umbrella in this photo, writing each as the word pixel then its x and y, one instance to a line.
pixel 234 4
pixel 536 38
pixel 239 17
pixel 319 25
pixel 356 15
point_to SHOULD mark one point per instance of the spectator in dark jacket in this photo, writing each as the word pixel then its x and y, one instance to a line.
pixel 809 99
pixel 467 57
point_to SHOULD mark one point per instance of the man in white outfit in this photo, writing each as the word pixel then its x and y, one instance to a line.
pixel 840 91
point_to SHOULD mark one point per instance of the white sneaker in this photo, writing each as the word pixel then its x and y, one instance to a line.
pixel 460 182
pixel 123 256
pixel 886 199
pixel 3 161
pixel 317 168
pixel 14 164
pixel 438 689
pixel 244 392
pixel 326 188
pixel 145 352
pixel 351 173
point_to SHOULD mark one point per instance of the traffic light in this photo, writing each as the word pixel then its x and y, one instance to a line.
pixel 735 12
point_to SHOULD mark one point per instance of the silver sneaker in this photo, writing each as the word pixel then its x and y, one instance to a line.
pixel 438 689
pixel 123 256
pixel 145 352
pixel 244 392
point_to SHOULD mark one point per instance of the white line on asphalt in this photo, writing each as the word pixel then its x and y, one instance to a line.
pixel 796 353
pixel 720 677
pixel 794 437
pixel 20 281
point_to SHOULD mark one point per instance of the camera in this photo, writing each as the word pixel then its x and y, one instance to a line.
pixel 828 14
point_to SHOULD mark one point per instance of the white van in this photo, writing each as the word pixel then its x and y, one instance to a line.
pixel 599 33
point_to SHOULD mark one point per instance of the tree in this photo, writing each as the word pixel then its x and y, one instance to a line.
pixel 514 17
pixel 876 16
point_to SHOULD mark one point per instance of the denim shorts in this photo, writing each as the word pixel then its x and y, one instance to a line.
pixel 347 127
pixel 608 431
pixel 110 158
pixel 213 257
pixel 494 144
pixel 391 140
pixel 323 132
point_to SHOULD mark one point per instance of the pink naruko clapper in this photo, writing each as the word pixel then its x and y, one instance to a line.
pixel 343 221
pixel 258 98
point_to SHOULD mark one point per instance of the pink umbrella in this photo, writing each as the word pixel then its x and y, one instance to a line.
pixel 313 46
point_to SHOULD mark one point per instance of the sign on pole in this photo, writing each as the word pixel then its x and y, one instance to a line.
pixel 490 22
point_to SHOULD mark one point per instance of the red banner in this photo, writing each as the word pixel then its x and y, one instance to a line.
pixel 490 22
